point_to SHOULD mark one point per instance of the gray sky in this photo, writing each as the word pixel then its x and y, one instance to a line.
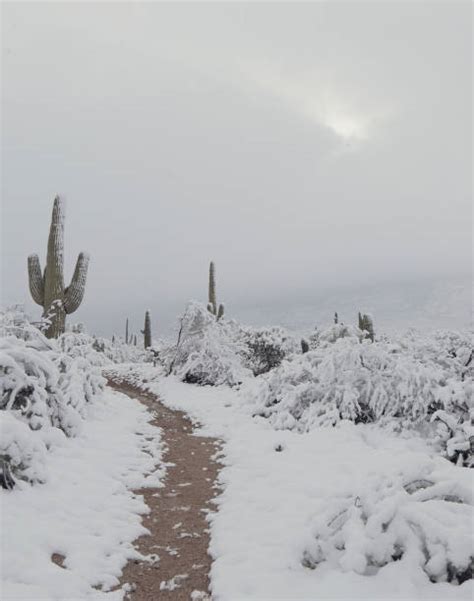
pixel 301 146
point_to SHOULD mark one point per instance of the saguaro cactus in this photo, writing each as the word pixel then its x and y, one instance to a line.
pixel 212 307
pixel 48 289
pixel 147 330
pixel 367 325
pixel 126 331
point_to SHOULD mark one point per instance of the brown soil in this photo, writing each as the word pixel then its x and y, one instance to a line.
pixel 179 535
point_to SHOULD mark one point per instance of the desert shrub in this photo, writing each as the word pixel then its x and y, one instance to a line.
pixel 266 347
pixel 417 518
pixel 338 331
pixel 455 435
pixel 102 351
pixel 44 393
pixel 362 382
pixel 208 352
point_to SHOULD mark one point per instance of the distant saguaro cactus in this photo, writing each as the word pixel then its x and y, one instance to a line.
pixel 47 289
pixel 336 317
pixel 212 307
pixel 366 324
pixel 147 330
pixel 126 331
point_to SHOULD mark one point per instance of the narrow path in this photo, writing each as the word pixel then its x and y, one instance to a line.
pixel 177 523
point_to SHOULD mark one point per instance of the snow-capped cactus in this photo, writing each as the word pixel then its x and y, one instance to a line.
pixel 47 288
pixel 212 307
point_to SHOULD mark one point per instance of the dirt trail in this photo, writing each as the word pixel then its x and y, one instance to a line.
pixel 177 520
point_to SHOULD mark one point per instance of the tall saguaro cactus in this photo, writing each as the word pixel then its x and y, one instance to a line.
pixel 212 300
pixel 126 331
pixel 147 330
pixel 47 289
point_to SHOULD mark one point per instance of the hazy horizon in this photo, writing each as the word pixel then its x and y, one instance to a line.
pixel 302 147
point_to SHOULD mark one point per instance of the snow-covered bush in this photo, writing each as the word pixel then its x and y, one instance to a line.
pixel 421 519
pixel 267 347
pixel 451 350
pixel 456 435
pixel 363 382
pixel 102 350
pixel 44 392
pixel 208 352
pixel 338 331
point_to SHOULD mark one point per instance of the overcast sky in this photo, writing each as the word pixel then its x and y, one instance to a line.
pixel 300 146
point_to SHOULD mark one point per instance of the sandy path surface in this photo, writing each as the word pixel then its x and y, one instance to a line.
pixel 177 519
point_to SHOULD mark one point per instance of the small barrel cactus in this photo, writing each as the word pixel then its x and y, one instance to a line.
pixel 47 289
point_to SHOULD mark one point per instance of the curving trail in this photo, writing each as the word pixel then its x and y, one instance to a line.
pixel 177 522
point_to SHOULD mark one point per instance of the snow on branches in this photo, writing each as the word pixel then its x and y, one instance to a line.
pixel 404 381
pixel 208 352
pixel 417 516
pixel 44 392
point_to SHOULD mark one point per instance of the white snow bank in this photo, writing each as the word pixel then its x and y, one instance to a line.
pixel 86 511
pixel 278 484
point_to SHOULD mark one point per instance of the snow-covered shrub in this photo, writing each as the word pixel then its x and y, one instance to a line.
pixel 360 381
pixel 456 435
pixel 338 331
pixel 267 347
pixel 44 392
pixel 208 352
pixel 422 520
pixel 102 351
pixel 452 351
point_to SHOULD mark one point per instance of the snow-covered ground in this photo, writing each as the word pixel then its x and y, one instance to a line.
pixel 336 482
pixel 280 489
pixel 85 511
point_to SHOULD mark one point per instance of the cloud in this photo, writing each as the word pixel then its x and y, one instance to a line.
pixel 317 97
pixel 299 145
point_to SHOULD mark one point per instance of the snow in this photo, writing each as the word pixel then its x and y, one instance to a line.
pixel 86 510
pixel 342 468
pixel 173 583
pixel 272 505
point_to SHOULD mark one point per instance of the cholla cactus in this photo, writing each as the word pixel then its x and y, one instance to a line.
pixel 147 330
pixel 212 307
pixel 367 325
pixel 47 289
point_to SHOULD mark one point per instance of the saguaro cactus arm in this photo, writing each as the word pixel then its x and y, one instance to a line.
pixel 220 312
pixel 74 294
pixel 35 278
